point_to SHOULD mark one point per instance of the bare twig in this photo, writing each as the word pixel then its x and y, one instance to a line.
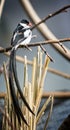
pixel 60 94
pixel 59 73
pixel 57 94
pixel 52 15
pixel 2 50
pixel 1 7
pixel 44 50
pixel 44 30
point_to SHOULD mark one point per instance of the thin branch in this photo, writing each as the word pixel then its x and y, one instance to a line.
pixel 60 94
pixel 2 50
pixel 52 15
pixel 1 7
pixel 44 50
pixel 44 30
pixel 59 73
pixel 57 94
pixel 51 70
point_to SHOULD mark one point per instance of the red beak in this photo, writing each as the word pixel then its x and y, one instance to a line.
pixel 30 24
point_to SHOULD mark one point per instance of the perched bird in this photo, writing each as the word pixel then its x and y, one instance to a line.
pixel 21 36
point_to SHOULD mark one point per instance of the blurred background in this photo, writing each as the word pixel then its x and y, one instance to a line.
pixel 59 25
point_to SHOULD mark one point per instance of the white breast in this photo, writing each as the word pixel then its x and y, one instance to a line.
pixel 28 36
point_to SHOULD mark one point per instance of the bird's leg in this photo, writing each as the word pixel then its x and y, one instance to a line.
pixel 28 48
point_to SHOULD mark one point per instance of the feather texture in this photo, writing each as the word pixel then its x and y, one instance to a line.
pixel 13 93
pixel 17 82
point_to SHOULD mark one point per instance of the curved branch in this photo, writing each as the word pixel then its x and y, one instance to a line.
pixel 2 50
pixel 43 28
pixel 2 2
pixel 52 15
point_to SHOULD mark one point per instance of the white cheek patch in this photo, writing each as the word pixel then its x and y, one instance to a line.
pixel 23 25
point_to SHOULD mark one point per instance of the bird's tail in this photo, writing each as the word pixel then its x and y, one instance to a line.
pixel 17 82
pixel 13 93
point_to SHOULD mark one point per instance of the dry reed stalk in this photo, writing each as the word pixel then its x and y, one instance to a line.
pixel 4 120
pixel 45 67
pixel 32 92
pixel 37 75
pixel 38 95
pixel 34 89
pixel 25 92
pixel 43 109
pixel 9 109
pixel 6 113
pixel 23 109
pixel 30 96
pixel 8 119
pixel 25 72
pixel 26 110
pixel 34 119
pixel 39 69
pixel 8 99
pixel 36 80
pixel 51 107
pixel 30 122
pixel 21 59
pixel 30 103
pixel 33 80
pixel 16 120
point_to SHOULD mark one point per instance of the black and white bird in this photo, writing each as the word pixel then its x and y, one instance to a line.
pixel 21 36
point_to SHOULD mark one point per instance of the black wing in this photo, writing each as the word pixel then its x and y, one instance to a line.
pixel 17 35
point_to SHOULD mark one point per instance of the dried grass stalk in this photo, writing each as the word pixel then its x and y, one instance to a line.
pixel 43 109
pixel 32 91
pixel 45 67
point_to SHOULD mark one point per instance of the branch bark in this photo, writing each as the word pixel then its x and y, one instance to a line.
pixel 59 94
pixel 2 50
pixel 43 27
pixel 1 7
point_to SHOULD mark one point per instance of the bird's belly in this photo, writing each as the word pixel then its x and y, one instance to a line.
pixel 26 41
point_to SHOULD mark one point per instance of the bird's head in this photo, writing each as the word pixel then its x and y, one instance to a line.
pixel 25 24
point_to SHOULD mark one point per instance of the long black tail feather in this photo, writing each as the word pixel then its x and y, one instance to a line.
pixel 13 93
pixel 17 82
